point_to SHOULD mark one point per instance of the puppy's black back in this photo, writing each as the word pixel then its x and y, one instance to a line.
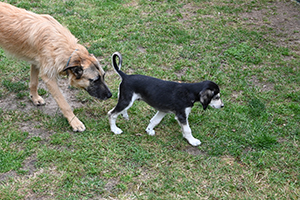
pixel 163 95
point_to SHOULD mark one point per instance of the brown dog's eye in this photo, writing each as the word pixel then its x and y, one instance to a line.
pixel 97 67
pixel 95 79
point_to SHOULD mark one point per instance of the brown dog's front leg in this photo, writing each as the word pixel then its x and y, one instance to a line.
pixel 34 81
pixel 53 88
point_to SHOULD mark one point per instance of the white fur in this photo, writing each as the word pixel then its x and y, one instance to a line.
pixel 186 130
pixel 113 117
pixel 216 102
pixel 155 121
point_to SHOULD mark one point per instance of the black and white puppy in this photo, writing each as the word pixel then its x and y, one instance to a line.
pixel 165 96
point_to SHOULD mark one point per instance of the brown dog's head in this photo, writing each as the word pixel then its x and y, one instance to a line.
pixel 85 72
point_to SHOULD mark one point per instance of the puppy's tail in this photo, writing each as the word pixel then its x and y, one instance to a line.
pixel 116 66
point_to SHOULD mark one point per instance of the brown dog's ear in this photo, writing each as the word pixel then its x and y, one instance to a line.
pixel 75 67
pixel 205 97
pixel 76 70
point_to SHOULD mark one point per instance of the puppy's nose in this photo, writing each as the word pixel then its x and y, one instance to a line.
pixel 222 105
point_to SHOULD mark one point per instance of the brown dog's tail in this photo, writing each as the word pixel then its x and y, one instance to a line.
pixel 118 66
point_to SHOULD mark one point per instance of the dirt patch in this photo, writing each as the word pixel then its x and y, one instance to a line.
pixel 29 164
pixel 236 94
pixel 229 160
pixel 51 107
pixel 30 128
pixel 264 86
pixel 7 175
pixel 188 12
pixel 110 185
pixel 281 17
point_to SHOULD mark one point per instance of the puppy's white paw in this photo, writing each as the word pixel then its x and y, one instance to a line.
pixel 150 131
pixel 194 142
pixel 116 130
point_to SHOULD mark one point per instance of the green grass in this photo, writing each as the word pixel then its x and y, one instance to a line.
pixel 250 148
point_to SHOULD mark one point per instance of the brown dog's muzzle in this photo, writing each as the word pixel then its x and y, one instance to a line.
pixel 99 89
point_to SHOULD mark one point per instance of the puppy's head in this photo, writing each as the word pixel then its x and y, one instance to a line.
pixel 210 96
pixel 85 72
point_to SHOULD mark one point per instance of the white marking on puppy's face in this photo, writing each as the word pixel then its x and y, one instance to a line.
pixel 216 102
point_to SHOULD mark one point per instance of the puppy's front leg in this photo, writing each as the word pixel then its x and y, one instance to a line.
pixel 53 88
pixel 187 134
pixel 154 121
pixel 182 119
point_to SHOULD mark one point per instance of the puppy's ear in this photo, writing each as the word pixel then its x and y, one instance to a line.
pixel 75 68
pixel 205 97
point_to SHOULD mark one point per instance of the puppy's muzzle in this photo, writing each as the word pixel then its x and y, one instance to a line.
pixel 216 103
pixel 218 106
pixel 99 89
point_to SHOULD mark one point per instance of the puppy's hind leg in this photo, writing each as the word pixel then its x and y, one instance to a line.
pixel 125 115
pixel 182 119
pixel 155 121
pixel 34 81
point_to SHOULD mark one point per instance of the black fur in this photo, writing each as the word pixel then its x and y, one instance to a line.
pixel 166 96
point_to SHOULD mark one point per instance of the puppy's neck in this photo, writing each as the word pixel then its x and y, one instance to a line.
pixel 195 89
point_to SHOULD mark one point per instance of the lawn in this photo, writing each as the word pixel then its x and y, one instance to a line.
pixel 250 148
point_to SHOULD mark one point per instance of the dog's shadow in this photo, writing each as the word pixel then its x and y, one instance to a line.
pixel 195 151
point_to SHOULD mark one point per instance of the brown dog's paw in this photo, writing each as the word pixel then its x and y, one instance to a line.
pixel 38 101
pixel 77 125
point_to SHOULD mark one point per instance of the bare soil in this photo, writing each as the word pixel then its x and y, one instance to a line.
pixel 281 17
pixel 51 107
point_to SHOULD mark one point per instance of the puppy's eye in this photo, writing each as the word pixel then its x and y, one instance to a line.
pixel 216 98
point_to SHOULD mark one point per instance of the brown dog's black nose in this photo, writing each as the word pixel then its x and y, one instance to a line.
pixel 109 95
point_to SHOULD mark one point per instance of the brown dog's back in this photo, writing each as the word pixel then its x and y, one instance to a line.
pixel 24 34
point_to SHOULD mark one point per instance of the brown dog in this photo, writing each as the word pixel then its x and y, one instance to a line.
pixel 51 50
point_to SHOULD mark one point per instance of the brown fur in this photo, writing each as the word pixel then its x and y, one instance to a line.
pixel 48 46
